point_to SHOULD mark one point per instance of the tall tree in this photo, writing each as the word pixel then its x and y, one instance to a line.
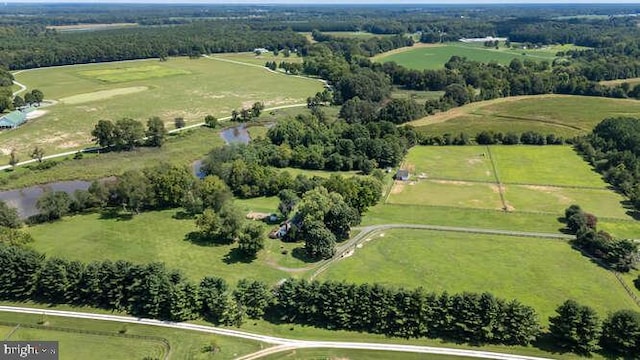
pixel 621 333
pixel 37 153
pixel 133 190
pixel 319 242
pixel 128 133
pixel 575 327
pixel 156 132
pixel 251 239
pixel 9 216
pixel 53 204
pixel 104 133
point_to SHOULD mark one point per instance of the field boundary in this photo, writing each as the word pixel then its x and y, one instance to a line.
pixel 165 343
pixel 498 182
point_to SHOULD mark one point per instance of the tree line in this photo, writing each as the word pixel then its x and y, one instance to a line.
pixel 613 148
pixel 619 254
pixel 151 290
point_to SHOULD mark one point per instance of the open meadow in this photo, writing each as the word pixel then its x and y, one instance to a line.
pixel 83 339
pixel 179 87
pixel 541 273
pixel 434 56
pixel 562 115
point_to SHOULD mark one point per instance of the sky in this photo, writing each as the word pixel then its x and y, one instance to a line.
pixel 341 1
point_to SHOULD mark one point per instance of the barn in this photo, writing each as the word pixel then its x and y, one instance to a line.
pixel 13 119
pixel 402 175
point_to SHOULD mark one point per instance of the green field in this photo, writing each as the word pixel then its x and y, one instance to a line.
pixel 436 55
pixel 562 115
pixel 179 87
pixel 109 343
pixel 540 273
pixel 252 58
pixel 159 237
pixel 181 149
pixel 543 179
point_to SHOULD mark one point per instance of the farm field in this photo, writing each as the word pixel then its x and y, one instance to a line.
pixel 180 149
pixel 179 87
pixel 436 55
pixel 110 344
pixel 562 115
pixel 540 273
pixel 631 81
pixel 542 179
pixel 158 237
pixel 252 58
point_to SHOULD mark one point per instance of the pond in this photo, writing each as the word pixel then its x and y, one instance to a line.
pixel 24 200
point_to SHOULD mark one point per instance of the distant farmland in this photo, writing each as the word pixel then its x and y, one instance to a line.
pixel 434 56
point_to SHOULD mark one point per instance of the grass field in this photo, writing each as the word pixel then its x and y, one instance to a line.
pixel 252 58
pixel 111 345
pixel 179 87
pixel 562 115
pixel 631 81
pixel 543 179
pixel 155 236
pixel 180 149
pixel 540 273
pixel 435 56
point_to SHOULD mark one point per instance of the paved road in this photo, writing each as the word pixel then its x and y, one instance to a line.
pixel 368 231
pixel 281 344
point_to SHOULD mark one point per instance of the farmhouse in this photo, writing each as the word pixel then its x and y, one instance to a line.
pixel 484 39
pixel 402 175
pixel 260 51
pixel 13 119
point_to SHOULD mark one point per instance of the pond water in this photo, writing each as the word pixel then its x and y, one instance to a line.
pixel 25 199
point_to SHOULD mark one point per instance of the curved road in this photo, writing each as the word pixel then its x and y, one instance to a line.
pixel 367 231
pixel 281 344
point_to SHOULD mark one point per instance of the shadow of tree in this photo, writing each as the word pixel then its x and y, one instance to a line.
pixel 183 215
pixel 112 213
pixel 236 255
pixel 301 254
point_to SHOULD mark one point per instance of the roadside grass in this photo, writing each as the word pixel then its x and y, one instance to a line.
pixel 450 162
pixel 544 165
pixel 252 58
pixel 446 193
pixel 434 57
pixel 200 87
pixel 538 272
pixel 356 354
pixel 180 149
pixel 464 217
pixel 554 200
pixel 148 237
pixel 184 344
pixel 307 332
pixel 562 115
pixel 92 345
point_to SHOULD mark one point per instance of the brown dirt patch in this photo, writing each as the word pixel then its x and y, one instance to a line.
pixel 397 187
pixel 452 182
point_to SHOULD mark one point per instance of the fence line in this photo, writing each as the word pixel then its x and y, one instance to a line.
pixel 165 343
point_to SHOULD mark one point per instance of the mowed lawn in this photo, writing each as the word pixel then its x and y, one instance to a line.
pixel 562 115
pixel 252 58
pixel 305 354
pixel 150 237
pixel 184 344
pixel 540 273
pixel 179 87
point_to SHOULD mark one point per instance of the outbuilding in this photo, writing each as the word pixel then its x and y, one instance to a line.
pixel 402 175
pixel 13 119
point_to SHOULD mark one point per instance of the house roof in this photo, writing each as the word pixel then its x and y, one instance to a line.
pixel 402 173
pixel 13 119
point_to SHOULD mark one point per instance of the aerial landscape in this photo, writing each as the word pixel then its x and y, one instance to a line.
pixel 320 180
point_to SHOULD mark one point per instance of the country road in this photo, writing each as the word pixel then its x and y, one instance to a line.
pixel 281 344
pixel 367 231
